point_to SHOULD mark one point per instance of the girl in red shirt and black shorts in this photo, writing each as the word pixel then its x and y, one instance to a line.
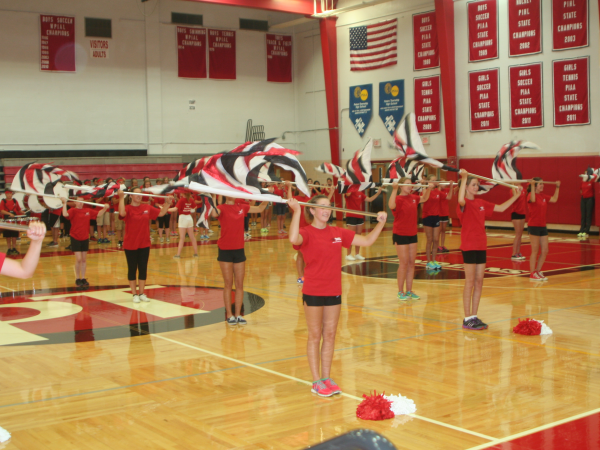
pixel 356 200
pixel 404 207
pixel 137 217
pixel 472 212
pixel 536 226
pixel 431 223
pixel 519 211
pixel 232 258
pixel 321 246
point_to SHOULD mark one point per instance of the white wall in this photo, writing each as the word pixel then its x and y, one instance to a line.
pixel 134 99
pixel 574 140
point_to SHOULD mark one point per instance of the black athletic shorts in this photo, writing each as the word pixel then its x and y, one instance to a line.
pixel 321 300
pixel 280 209
pixel 444 219
pixel 93 223
pixel 474 257
pixel 355 220
pixel 80 246
pixel 232 256
pixel 404 240
pixel 10 233
pixel 431 221
pixel 516 216
pixel 538 231
pixel 164 221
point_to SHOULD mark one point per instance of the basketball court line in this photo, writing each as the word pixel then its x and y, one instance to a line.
pixel 4 287
pixel 308 383
pixel 534 430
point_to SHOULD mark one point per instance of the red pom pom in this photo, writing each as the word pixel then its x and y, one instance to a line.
pixel 528 327
pixel 374 407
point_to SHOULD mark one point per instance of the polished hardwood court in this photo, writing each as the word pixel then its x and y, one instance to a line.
pixel 91 370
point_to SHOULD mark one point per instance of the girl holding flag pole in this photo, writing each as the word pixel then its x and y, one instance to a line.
pixel 404 207
pixel 472 212
pixel 321 246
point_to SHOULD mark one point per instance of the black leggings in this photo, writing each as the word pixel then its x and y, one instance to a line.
pixel 163 222
pixel 137 260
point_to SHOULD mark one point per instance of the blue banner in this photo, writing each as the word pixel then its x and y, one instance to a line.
pixel 361 106
pixel 391 103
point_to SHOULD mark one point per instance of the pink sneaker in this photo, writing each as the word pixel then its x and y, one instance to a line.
pixel 535 277
pixel 321 389
pixel 333 386
pixel 541 275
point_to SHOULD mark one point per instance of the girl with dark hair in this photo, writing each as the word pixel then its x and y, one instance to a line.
pixel 536 226
pixel 137 217
pixel 472 211
pixel 321 246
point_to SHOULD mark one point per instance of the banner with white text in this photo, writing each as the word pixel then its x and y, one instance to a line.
pixel 483 30
pixel 221 54
pixel 524 27
pixel 191 52
pixel 425 41
pixel 526 99
pixel 569 24
pixel 279 58
pixel 570 79
pixel 427 104
pixel 484 96
pixel 57 49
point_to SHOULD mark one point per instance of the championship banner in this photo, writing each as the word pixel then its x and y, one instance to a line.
pixel 361 106
pixel 570 78
pixel 279 58
pixel 57 49
pixel 221 54
pixel 569 24
pixel 391 103
pixel 524 27
pixel 483 30
pixel 484 95
pixel 191 52
pixel 427 104
pixel 425 41
pixel 526 100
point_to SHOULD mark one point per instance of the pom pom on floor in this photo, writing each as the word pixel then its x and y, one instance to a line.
pixel 4 435
pixel 374 407
pixel 532 327
pixel 401 405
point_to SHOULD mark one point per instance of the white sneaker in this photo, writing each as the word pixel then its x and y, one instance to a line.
pixel 168 240
pixel 210 231
pixel 359 257
pixel 162 240
pixel 350 258
pixel 136 299
pixel 144 298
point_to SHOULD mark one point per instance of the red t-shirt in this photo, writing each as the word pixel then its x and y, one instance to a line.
pixel 587 189
pixel 537 210
pixel 520 204
pixel 56 212
pixel 355 201
pixel 432 206
pixel 231 218
pixel 80 221
pixel 278 191
pixel 322 252
pixel 241 201
pixel 303 199
pixel 137 225
pixel 185 206
pixel 405 215
pixel 472 216
pixel 157 201
pixel 444 211
pixel 10 206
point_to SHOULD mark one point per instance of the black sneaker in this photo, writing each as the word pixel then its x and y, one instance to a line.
pixel 68 247
pixel 473 324
pixel 84 283
pixel 9 252
pixel 241 320
pixel 78 282
pixel 485 326
pixel 15 252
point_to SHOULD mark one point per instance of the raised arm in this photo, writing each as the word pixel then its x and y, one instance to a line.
pixel 122 212
pixel 554 198
pixel 426 194
pixel 532 185
pixel 258 209
pixel 504 206
pixel 165 207
pixel 295 237
pixel 64 202
pixel 392 200
pixel 25 268
pixel 450 190
pixel 369 239
pixel 374 196
pixel 463 187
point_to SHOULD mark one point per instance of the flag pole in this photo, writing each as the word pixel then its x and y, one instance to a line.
pixel 406 184
pixel 13 226
pixel 501 183
pixel 528 181
pixel 334 208
pixel 37 194
pixel 91 190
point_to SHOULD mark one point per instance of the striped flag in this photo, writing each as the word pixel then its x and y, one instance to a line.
pixel 373 46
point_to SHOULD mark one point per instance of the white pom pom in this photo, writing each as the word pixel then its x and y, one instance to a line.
pixel 401 405
pixel 4 435
pixel 545 328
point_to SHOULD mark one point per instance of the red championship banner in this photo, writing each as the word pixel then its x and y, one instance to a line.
pixel 483 30
pixel 221 54
pixel 58 43
pixel 570 79
pixel 425 41
pixel 191 52
pixel 484 95
pixel 526 104
pixel 427 104
pixel 524 27
pixel 279 58
pixel 569 24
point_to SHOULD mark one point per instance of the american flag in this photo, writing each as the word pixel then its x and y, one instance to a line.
pixel 373 46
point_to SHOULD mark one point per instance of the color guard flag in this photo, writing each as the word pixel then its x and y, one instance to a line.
pixel 505 164
pixel 373 46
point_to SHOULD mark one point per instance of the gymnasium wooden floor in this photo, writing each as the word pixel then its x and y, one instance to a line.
pixel 91 370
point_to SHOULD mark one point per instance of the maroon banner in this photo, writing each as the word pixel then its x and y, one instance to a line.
pixel 524 27
pixel 570 79
pixel 483 30
pixel 279 58
pixel 58 43
pixel 526 100
pixel 221 54
pixel 191 52
pixel 484 95
pixel 569 24
pixel 425 41
pixel 427 104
